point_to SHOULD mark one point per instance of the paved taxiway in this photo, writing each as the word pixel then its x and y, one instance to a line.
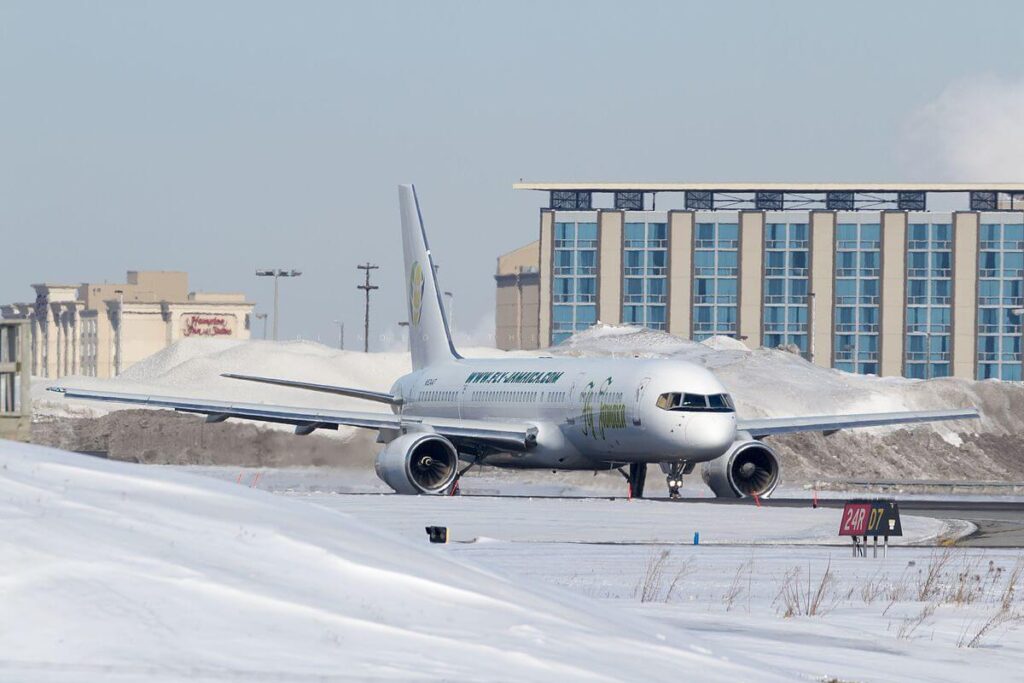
pixel 1000 523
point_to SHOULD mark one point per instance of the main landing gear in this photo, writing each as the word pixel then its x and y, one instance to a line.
pixel 637 477
pixel 674 472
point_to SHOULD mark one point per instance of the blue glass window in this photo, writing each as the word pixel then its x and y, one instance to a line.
pixel 858 259
pixel 785 286
pixel 1000 269
pixel 645 272
pixel 715 270
pixel 574 285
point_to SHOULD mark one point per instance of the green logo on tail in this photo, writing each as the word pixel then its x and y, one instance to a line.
pixel 416 284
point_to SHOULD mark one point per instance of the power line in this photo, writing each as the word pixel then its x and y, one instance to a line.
pixel 367 287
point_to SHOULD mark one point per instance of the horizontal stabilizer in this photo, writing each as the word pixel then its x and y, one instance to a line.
pixel 364 394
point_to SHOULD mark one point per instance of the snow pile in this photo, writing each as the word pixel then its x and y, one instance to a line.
pixel 765 382
pixel 119 572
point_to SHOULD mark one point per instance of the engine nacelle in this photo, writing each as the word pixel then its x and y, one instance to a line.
pixel 418 462
pixel 747 468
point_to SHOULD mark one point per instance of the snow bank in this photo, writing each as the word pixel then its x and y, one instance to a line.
pixel 112 571
pixel 765 382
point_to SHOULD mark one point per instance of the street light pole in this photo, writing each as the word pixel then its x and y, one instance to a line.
pixel 263 317
pixel 341 334
pixel 120 323
pixel 277 273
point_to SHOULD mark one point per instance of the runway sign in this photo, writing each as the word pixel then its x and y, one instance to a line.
pixel 871 518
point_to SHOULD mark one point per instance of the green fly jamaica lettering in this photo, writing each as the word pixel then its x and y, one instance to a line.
pixel 609 415
pixel 513 377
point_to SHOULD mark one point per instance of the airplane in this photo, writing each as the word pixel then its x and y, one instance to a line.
pixel 452 413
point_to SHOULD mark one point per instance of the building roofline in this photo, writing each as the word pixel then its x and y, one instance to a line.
pixel 770 187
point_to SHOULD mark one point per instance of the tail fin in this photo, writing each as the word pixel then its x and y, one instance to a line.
pixel 429 338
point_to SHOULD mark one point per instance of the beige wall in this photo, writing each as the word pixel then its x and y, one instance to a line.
pixel 751 256
pixel 822 277
pixel 609 270
pixel 547 235
pixel 893 292
pixel 517 298
pixel 965 294
pixel 70 337
pixel 159 285
pixel 525 258
pixel 516 310
pixel 143 286
pixel 680 278
pixel 529 337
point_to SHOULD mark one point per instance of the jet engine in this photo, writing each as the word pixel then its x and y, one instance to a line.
pixel 747 468
pixel 417 463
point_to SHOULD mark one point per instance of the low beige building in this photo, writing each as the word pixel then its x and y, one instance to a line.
pixel 99 330
pixel 517 306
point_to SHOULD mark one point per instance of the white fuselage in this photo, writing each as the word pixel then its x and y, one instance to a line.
pixel 590 413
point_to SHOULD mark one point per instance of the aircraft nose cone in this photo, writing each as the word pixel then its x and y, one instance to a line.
pixel 710 434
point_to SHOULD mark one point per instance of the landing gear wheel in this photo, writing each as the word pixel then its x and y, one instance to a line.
pixel 674 479
pixel 637 478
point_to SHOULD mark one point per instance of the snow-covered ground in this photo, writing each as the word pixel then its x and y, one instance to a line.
pixel 118 572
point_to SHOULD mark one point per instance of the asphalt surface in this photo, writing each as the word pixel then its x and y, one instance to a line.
pixel 1000 523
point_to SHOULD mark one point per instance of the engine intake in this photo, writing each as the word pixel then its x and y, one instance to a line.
pixel 748 468
pixel 418 463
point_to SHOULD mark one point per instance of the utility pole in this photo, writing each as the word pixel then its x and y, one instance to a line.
pixel 341 334
pixel 263 317
pixel 367 287
pixel 277 273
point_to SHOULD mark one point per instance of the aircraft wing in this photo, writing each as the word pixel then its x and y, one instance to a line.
pixel 364 394
pixel 508 436
pixel 766 426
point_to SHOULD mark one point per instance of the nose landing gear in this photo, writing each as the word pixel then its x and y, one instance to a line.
pixel 674 472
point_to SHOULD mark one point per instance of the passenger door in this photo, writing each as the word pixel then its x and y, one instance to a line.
pixel 637 400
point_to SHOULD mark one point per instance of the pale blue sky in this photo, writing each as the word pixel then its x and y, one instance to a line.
pixel 215 137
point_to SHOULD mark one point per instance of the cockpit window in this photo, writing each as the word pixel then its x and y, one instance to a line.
pixel 694 401
pixel 719 401
pixel 715 403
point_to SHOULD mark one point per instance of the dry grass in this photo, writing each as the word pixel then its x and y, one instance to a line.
pixel 736 587
pixel 930 580
pixel 909 625
pixel 685 569
pixel 999 618
pixel 966 586
pixel 649 586
pixel 806 599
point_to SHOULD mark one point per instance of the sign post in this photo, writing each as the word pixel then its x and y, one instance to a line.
pixel 863 518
